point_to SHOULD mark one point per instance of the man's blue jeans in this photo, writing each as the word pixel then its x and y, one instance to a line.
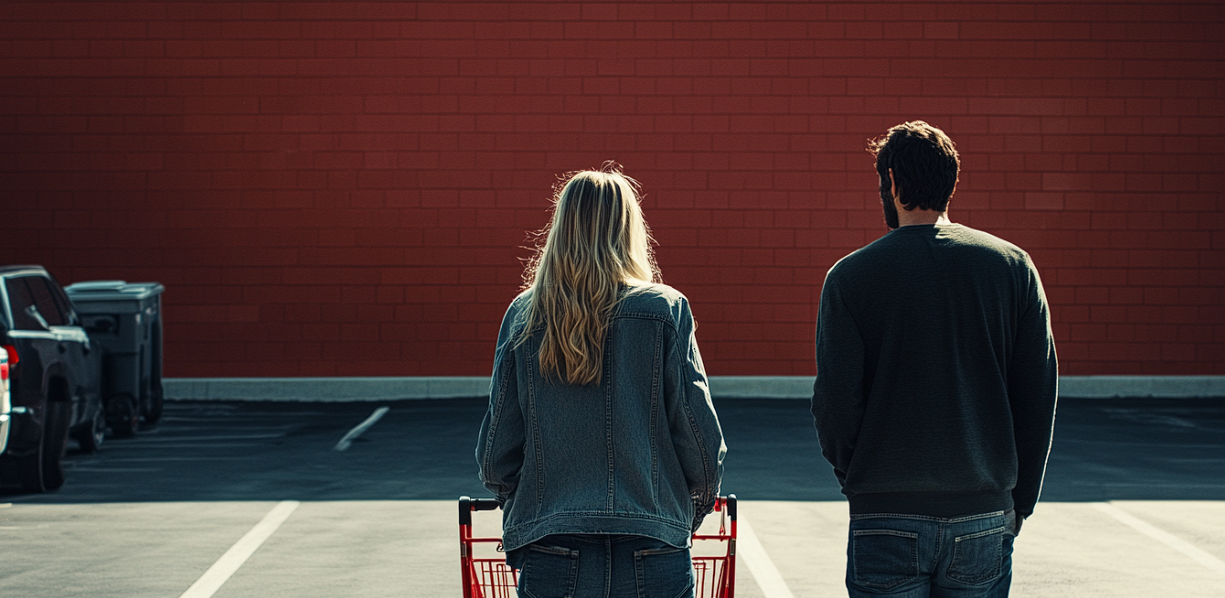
pixel 915 556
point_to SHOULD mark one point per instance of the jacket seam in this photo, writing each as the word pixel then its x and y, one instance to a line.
pixel 694 428
pixel 608 422
pixel 593 514
pixel 537 445
pixel 496 418
pixel 655 408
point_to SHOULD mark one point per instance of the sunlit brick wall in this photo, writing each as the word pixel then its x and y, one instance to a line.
pixel 344 188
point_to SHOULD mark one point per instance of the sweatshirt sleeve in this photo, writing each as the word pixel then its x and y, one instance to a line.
pixel 1033 381
pixel 499 447
pixel 838 392
pixel 696 434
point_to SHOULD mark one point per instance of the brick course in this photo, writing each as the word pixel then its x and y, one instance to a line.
pixel 347 188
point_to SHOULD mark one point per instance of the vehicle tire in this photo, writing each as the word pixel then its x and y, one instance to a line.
pixel 156 392
pixel 55 443
pixel 30 471
pixel 90 438
pixel 157 402
pixel 123 415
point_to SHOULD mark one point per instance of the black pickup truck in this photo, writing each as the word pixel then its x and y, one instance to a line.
pixel 55 379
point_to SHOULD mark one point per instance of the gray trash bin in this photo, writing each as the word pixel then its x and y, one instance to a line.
pixel 125 319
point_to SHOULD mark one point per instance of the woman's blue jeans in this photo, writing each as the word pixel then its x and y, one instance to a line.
pixel 915 556
pixel 602 566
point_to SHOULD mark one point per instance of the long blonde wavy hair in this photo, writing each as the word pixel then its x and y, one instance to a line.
pixel 597 241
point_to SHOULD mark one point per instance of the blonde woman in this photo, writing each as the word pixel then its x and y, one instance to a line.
pixel 600 441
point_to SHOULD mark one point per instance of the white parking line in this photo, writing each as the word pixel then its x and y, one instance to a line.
pixel 768 578
pixel 220 572
pixel 362 427
pixel 1200 556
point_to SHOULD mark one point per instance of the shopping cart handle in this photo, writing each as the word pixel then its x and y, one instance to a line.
pixel 468 505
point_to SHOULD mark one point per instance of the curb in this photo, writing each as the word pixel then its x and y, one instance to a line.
pixel 744 387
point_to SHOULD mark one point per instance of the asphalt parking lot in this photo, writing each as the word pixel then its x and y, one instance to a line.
pixel 232 499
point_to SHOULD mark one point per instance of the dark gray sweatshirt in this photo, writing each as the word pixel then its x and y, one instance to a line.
pixel 936 374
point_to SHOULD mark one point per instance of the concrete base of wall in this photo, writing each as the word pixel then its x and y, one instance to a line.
pixel 763 387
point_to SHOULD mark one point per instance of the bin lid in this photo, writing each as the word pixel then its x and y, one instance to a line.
pixel 113 290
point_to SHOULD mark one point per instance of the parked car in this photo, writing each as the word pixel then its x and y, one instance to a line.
pixel 6 408
pixel 55 377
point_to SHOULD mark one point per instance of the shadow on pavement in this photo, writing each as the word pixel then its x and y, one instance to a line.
pixel 1118 449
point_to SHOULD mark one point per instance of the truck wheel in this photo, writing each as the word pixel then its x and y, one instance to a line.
pixel 30 471
pixel 91 437
pixel 156 403
pixel 55 443
pixel 123 415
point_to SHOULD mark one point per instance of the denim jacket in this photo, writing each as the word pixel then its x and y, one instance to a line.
pixel 641 453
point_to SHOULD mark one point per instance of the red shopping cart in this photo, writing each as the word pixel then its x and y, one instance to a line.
pixel 485 573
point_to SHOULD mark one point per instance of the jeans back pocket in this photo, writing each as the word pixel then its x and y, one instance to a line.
pixel 548 572
pixel 664 573
pixel 978 557
pixel 883 558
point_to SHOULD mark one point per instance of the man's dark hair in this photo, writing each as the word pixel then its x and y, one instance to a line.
pixel 924 162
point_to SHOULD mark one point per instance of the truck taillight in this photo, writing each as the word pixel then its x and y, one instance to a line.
pixel 4 372
pixel 12 351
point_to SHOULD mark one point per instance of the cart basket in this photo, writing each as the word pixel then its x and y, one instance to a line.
pixel 714 556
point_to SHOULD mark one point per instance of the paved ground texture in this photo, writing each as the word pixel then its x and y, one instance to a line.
pixel 255 500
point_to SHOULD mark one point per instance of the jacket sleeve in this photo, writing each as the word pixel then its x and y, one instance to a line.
pixel 499 447
pixel 838 392
pixel 1033 386
pixel 696 434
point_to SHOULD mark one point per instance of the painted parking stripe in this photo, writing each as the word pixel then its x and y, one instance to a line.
pixel 220 572
pixel 362 427
pixel 768 578
pixel 1200 556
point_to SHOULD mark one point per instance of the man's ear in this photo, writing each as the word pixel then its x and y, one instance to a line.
pixel 893 187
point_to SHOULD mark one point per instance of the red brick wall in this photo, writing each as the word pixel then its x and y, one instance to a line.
pixel 343 188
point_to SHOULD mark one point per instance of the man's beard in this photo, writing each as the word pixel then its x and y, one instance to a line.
pixel 886 202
